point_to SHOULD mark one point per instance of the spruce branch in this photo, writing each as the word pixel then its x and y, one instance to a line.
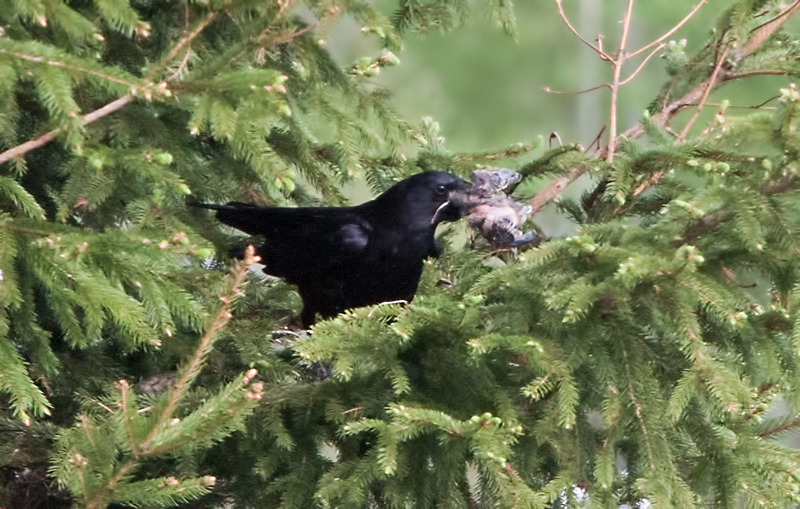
pixel 75 68
pixel 775 430
pixel 765 31
pixel 186 39
pixel 192 368
pixel 176 394
pixel 702 102
pixel 712 220
pixel 662 118
pixel 117 104
pixel 97 114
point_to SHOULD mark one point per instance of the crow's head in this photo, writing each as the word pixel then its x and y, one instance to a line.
pixel 424 197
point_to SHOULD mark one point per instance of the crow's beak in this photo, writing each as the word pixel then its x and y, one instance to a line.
pixel 457 206
pixel 443 213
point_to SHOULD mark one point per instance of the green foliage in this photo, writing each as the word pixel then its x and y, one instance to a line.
pixel 640 360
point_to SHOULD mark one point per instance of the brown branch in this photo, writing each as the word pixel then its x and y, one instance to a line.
pixel 186 39
pixel 578 92
pixel 192 368
pixel 671 31
pixel 113 106
pixel 615 83
pixel 47 137
pixel 598 50
pixel 711 221
pixel 767 29
pixel 83 70
pixel 555 187
pixel 641 66
pixel 711 82
pixel 779 429
pixel 289 35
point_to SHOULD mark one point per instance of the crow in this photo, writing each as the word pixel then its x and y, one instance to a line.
pixel 346 257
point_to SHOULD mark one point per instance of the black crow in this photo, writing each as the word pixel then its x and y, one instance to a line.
pixel 346 257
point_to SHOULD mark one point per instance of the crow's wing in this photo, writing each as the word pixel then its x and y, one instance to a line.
pixel 300 242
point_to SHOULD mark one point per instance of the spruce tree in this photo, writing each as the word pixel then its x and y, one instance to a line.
pixel 637 362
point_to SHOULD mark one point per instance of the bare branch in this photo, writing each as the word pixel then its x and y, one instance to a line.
pixel 641 66
pixel 569 92
pixel 712 81
pixel 671 31
pixel 626 27
pixel 598 50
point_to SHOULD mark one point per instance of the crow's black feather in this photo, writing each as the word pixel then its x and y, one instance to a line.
pixel 346 257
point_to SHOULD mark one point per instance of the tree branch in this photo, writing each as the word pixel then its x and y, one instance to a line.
pixel 711 221
pixel 598 50
pixel 766 30
pixel 671 31
pixel 555 187
pixel 192 368
pixel 47 137
pixel 115 105
pixel 712 80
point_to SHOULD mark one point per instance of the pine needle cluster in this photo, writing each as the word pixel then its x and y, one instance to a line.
pixel 652 358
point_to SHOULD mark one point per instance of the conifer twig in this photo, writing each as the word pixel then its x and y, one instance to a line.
pixel 192 368
pixel 598 49
pixel 186 39
pixel 113 106
pixel 668 111
pixel 766 30
pixel 178 390
pixel 702 102
pixel 712 220
pixel 99 113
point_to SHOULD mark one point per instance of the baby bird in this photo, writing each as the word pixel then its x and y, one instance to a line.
pixel 495 215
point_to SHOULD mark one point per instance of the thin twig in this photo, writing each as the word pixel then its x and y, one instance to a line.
pixel 290 35
pixel 641 66
pixel 598 50
pixel 671 31
pixel 596 140
pixel 192 368
pixel 618 62
pixel 186 39
pixel 712 81
pixel 47 137
pixel 570 92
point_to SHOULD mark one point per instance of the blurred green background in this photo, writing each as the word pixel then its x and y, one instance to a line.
pixel 486 90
